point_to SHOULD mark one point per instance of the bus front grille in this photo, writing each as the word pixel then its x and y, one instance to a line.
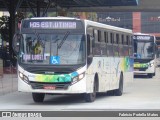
pixel 140 69
pixel 57 86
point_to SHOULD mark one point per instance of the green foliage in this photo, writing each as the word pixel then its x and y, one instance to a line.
pixel 52 14
pixel 19 16
pixel 4 22
pixel 4 28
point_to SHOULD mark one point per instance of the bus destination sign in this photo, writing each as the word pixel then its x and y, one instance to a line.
pixel 142 37
pixel 53 24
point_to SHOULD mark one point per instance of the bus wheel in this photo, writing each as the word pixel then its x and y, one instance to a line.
pixel 154 74
pixel 90 97
pixel 150 75
pixel 119 91
pixel 38 97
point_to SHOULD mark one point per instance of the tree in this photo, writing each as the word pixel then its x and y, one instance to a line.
pixel 4 28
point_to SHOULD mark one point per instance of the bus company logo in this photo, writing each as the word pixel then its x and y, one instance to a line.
pixel 154 19
pixel 109 19
pixel 6 114
pixel 48 72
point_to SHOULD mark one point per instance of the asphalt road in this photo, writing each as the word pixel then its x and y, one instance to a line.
pixel 142 94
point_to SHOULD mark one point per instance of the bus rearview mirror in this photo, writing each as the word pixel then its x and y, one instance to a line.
pixel 16 42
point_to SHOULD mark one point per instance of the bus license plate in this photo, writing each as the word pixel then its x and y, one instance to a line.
pixel 136 69
pixel 50 87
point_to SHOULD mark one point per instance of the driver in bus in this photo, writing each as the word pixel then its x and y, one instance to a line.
pixel 38 48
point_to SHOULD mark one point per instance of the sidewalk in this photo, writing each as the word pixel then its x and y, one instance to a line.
pixel 8 83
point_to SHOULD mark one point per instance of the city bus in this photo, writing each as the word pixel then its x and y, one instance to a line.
pixel 144 54
pixel 158 57
pixel 62 55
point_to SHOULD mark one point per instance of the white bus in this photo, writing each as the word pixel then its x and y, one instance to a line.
pixel 145 54
pixel 158 57
pixel 61 55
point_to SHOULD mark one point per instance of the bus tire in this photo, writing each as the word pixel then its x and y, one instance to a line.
pixel 90 97
pixel 154 74
pixel 150 75
pixel 119 91
pixel 38 97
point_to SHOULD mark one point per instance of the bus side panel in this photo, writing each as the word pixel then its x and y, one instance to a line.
pixel 127 68
pixel 121 66
pixel 109 70
pixel 100 67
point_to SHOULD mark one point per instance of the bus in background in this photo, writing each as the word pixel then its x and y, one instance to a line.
pixel 144 54
pixel 61 55
pixel 158 53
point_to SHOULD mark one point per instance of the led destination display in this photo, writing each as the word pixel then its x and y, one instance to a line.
pixel 143 37
pixel 52 24
pixel 55 25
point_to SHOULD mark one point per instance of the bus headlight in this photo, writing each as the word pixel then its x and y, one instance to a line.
pixel 20 75
pixel 81 76
pixel 23 77
pixel 78 78
pixel 151 64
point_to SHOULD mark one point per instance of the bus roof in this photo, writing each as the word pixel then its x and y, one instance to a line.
pixel 52 18
pixel 142 34
pixel 110 27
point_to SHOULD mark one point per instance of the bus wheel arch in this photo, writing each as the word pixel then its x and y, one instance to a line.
pixel 119 91
pixel 90 97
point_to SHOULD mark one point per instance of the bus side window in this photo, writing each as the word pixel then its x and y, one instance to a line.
pixel 102 37
pixel 95 35
pixel 90 41
pixel 123 45
pixel 126 45
pixel 127 40
pixel 90 44
pixel 117 39
pixel 116 46
pixel 110 44
pixel 99 36
pixel 106 37
pixel 112 38
pixel 122 39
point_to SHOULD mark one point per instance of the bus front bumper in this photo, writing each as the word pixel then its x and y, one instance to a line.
pixel 79 87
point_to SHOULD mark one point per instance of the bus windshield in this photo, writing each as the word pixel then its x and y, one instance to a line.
pixel 144 49
pixel 54 49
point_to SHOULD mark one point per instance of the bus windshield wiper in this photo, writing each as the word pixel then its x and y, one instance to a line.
pixel 64 38
pixel 39 38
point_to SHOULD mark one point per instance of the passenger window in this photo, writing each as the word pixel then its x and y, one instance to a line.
pixel 112 38
pixel 117 38
pixel 122 39
pixel 127 40
pixel 106 37
pixel 99 36
pixel 96 35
